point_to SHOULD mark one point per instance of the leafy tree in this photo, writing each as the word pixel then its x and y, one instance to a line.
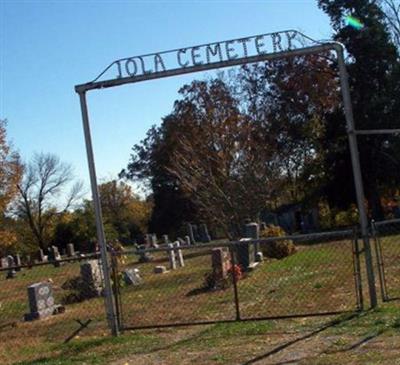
pixel 373 67
pixel 10 175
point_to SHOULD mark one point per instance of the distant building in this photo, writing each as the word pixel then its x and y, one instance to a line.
pixel 293 218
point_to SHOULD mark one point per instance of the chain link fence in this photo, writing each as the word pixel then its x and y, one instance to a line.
pixel 280 277
pixel 47 303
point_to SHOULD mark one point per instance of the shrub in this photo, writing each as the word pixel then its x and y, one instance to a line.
pixel 276 249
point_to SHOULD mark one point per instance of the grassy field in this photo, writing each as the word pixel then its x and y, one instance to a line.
pixel 318 278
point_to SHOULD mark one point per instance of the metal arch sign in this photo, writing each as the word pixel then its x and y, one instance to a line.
pixel 204 57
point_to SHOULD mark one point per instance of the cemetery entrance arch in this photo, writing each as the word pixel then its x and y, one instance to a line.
pixel 205 57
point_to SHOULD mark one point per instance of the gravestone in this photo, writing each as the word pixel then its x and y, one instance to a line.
pixel 143 255
pixel 154 241
pixel 151 240
pixel 11 273
pixel 17 261
pixel 191 234
pixel 132 277
pixel 54 255
pixel 221 264
pixel 252 230
pixel 160 270
pixel 165 239
pixel 203 233
pixel 171 256
pixel 179 255
pixel 246 254
pixel 40 255
pixel 4 262
pixel 196 233
pixel 41 301
pixel 70 250
pixel 187 240
pixel 92 278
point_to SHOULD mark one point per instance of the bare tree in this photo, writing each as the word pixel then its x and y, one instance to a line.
pixel 392 12
pixel 41 189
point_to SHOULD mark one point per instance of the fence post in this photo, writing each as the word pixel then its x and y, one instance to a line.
pixel 355 160
pixel 109 299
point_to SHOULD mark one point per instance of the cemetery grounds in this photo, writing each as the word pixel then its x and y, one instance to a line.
pixel 318 278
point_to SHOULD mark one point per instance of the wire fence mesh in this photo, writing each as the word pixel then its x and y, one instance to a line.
pixel 386 235
pixel 66 292
pixel 251 279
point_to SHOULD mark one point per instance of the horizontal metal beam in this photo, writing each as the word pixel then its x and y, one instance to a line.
pixel 377 131
pixel 205 67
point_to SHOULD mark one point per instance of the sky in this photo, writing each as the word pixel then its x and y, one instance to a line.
pixel 47 47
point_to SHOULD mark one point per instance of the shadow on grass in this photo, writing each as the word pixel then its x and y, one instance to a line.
pixel 282 347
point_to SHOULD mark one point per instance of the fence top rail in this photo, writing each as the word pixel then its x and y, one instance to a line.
pixel 51 262
pixel 388 221
pixel 297 238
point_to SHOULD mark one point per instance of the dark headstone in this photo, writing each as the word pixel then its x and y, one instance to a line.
pixel 252 230
pixel 203 233
pixel 70 250
pixel 246 254
pixel 191 233
pixel 18 262
pixel 40 255
pixel 41 301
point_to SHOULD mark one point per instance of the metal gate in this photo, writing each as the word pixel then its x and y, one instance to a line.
pixel 322 277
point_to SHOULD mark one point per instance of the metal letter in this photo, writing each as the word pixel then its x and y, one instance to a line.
pixel 244 41
pixel 229 50
pixel 183 50
pixel 276 41
pixel 195 56
pixel 158 61
pixel 144 71
pixel 119 70
pixel 290 38
pixel 217 50
pixel 258 41
pixel 133 63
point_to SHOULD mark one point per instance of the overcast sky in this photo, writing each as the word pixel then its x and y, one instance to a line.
pixel 47 47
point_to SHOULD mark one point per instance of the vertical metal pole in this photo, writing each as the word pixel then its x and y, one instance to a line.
pixel 355 160
pixel 109 301
pixel 232 252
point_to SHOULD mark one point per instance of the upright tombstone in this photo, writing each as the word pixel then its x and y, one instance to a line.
pixel 171 256
pixel 11 273
pixel 40 255
pixel 70 250
pixel 154 241
pixel 221 263
pixel 54 255
pixel 92 278
pixel 165 239
pixel 179 254
pixel 187 240
pixel 246 254
pixel 252 230
pixel 41 301
pixel 4 262
pixel 18 262
pixel 203 233
pixel 196 233
pixel 132 277
pixel 191 233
